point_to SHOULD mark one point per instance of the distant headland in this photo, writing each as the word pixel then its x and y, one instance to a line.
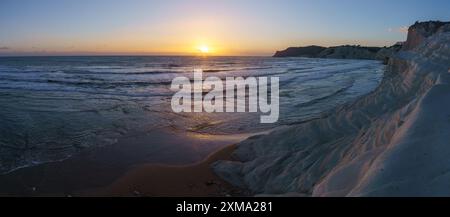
pixel 341 52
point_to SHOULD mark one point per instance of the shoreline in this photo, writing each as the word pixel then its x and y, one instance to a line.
pixel 159 151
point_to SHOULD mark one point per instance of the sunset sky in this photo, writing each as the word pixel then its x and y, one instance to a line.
pixel 184 27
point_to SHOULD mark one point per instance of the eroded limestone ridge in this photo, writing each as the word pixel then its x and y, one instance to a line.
pixel 391 142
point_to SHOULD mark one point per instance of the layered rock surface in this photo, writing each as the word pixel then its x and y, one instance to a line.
pixel 394 141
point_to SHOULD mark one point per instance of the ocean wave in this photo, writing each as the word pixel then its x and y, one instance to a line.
pixel 76 72
pixel 108 96
pixel 325 97
pixel 91 83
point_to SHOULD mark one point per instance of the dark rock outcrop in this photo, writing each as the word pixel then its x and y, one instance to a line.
pixel 341 52
pixel 386 53
pixel 350 52
pixel 309 51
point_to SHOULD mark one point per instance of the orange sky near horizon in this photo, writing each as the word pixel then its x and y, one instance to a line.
pixel 153 27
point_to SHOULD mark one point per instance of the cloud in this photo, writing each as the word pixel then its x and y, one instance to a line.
pixel 403 29
pixel 4 48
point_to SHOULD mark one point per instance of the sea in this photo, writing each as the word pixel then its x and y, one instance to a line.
pixel 54 107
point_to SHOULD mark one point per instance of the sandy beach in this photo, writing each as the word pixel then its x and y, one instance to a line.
pixel 194 180
pixel 150 164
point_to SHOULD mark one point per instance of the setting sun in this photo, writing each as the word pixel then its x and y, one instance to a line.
pixel 203 49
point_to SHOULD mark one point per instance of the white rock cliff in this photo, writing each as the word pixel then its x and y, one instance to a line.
pixel 394 141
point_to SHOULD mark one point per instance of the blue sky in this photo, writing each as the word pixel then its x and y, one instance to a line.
pixel 232 27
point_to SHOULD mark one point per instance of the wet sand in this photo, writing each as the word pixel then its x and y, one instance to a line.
pixel 185 181
pixel 131 161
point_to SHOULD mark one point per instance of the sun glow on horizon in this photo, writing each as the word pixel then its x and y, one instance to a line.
pixel 204 49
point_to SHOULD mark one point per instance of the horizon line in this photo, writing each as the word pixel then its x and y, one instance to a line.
pixel 132 55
